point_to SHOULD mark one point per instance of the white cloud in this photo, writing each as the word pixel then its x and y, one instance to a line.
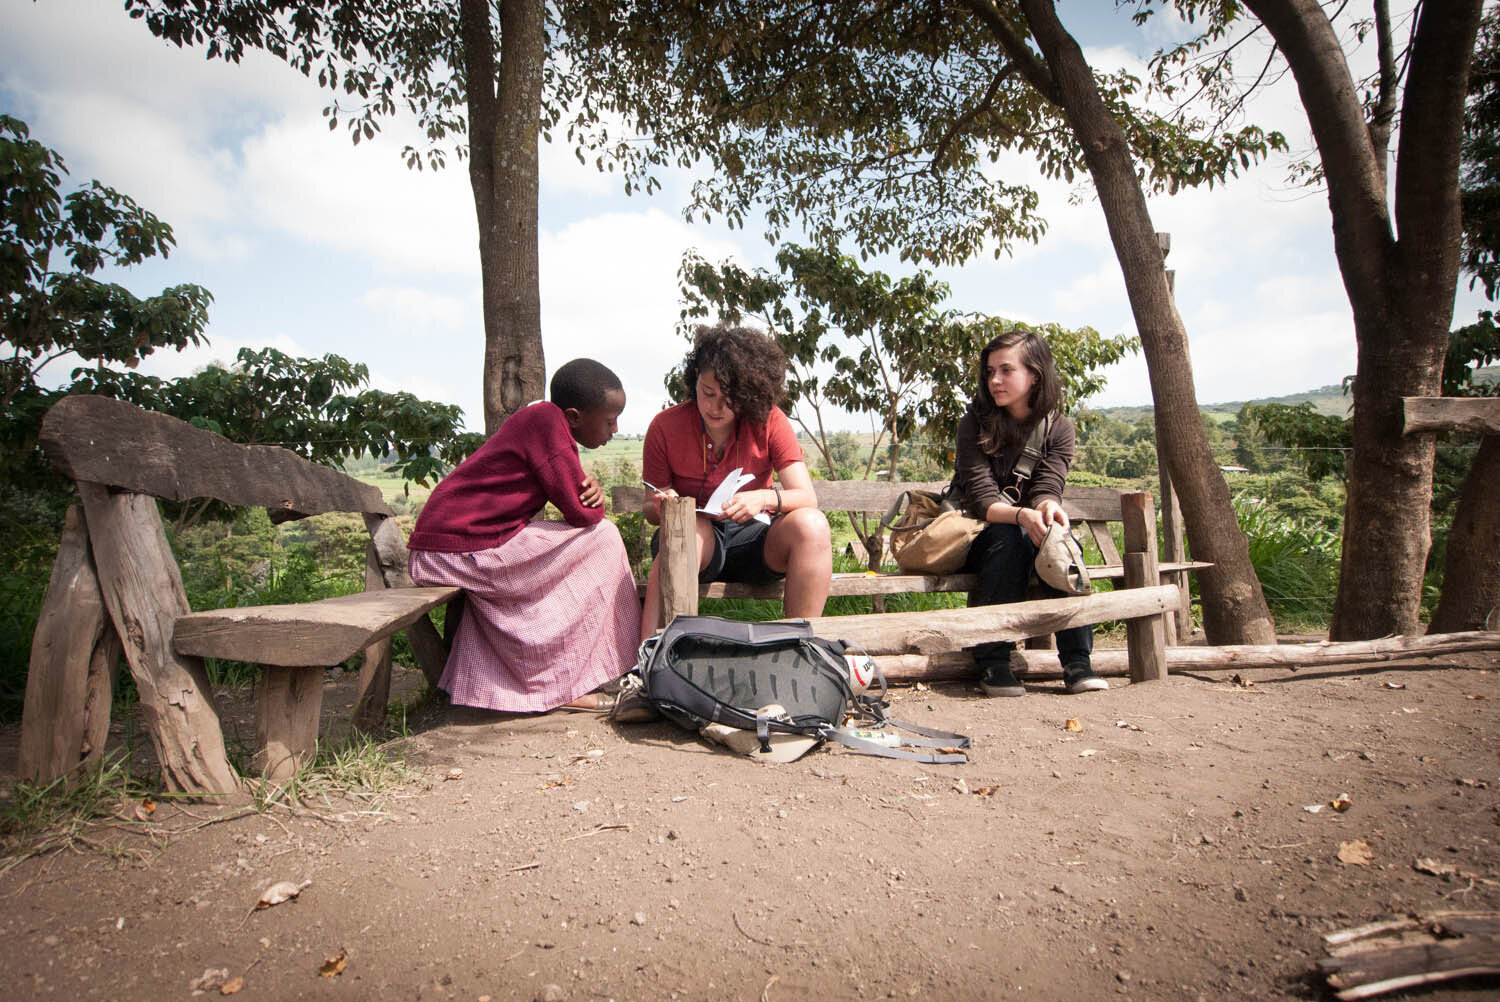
pixel 419 308
pixel 361 200
pixel 609 291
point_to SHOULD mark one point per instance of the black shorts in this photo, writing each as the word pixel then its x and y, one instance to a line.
pixel 739 553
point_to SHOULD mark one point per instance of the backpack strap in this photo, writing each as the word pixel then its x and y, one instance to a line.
pixel 866 747
pixel 940 739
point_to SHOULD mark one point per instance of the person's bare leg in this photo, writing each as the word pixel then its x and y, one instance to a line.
pixel 800 546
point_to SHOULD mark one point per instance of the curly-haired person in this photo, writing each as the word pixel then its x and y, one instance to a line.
pixel 735 375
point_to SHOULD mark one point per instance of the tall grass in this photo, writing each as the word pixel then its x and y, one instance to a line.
pixel 1296 560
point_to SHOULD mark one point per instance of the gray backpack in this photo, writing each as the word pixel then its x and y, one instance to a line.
pixel 704 669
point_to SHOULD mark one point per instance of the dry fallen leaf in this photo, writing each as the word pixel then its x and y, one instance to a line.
pixel 281 891
pixel 335 964
pixel 1433 867
pixel 1072 724
pixel 1340 803
pixel 453 774
pixel 1473 695
pixel 211 978
pixel 1356 852
pixel 232 986
pixel 553 783
pixel 986 791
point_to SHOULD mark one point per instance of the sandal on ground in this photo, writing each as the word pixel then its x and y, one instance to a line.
pixel 604 703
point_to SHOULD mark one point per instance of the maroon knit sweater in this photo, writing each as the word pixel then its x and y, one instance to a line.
pixel 488 497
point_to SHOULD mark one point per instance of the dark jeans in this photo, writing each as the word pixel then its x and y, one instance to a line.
pixel 1002 556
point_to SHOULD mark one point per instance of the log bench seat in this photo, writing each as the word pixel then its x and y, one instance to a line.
pixel 1155 608
pixel 326 632
pixel 116 589
pixel 294 643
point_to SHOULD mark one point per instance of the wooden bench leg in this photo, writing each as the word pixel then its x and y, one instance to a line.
pixel 75 654
pixel 286 728
pixel 142 590
pixel 677 570
pixel 374 688
pixel 1145 638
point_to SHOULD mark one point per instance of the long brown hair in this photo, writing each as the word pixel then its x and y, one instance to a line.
pixel 997 428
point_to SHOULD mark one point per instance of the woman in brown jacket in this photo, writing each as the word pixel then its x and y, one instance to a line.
pixel 1018 387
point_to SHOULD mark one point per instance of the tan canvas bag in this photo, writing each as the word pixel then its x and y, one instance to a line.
pixel 928 534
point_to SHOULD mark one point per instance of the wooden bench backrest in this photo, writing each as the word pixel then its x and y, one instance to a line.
pixel 111 442
pixel 1096 506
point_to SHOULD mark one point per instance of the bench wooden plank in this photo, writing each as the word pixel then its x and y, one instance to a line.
pixel 936 631
pixel 324 633
pixel 874 496
pixel 117 443
pixel 865 583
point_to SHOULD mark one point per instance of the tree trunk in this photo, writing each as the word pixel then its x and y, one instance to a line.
pixel 1234 609
pixel 504 118
pixel 1401 290
pixel 1471 574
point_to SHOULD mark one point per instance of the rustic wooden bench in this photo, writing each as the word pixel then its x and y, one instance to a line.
pixel 117 588
pixel 1094 509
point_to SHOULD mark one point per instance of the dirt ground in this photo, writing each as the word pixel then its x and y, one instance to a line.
pixel 1180 846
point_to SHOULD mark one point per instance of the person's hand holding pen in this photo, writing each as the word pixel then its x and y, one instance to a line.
pixel 653 514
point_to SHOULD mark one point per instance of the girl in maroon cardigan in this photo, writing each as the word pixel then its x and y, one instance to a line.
pixel 551 612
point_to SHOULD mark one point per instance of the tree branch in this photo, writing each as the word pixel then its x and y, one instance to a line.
pixel 963 120
pixel 1384 111
pixel 1030 65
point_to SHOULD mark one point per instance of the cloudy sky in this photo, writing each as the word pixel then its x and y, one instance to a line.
pixel 313 245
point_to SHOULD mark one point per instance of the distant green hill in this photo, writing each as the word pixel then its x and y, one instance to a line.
pixel 1328 400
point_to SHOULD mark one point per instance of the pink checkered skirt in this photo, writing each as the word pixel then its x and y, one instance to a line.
pixel 549 615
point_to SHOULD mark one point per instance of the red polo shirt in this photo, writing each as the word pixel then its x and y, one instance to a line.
pixel 679 455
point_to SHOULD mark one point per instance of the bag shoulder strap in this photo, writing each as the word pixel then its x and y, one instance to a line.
pixel 1033 450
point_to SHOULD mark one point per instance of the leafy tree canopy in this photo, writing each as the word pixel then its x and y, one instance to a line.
pixel 51 308
pixel 51 304
pixel 1322 441
pixel 1479 178
pixel 863 342
pixel 312 406
pixel 380 55
pixel 881 123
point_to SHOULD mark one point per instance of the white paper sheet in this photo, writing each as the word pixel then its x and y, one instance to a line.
pixel 727 489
